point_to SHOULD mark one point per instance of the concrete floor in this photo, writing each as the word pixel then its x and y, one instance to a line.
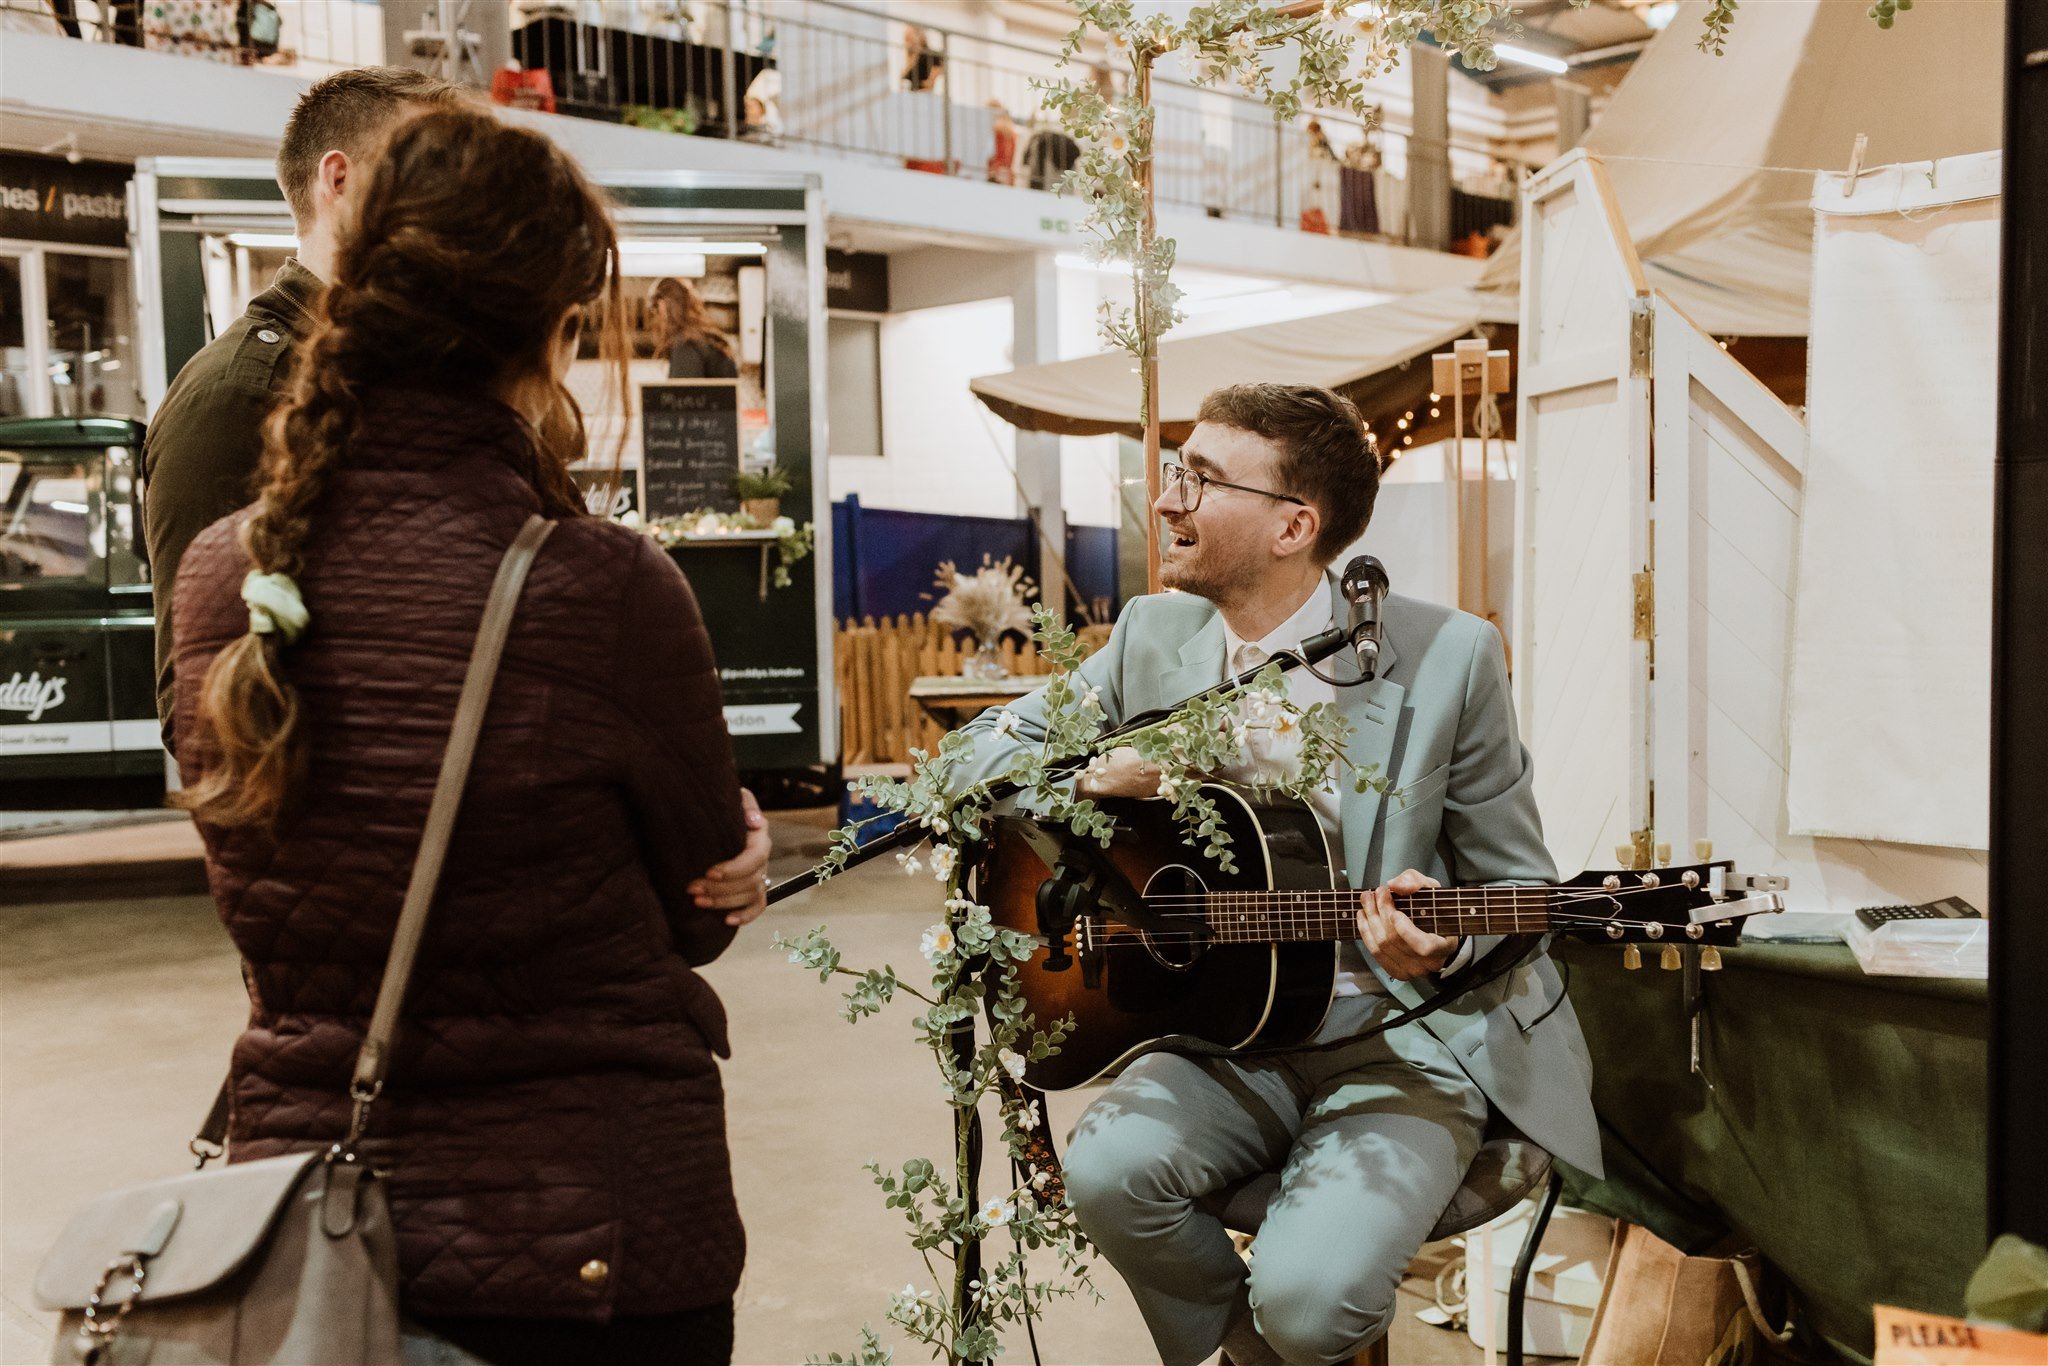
pixel 116 1017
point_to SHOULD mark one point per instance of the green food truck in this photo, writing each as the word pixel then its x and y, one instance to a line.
pixel 78 723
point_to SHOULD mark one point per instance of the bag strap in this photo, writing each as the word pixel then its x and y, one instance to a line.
pixel 374 1061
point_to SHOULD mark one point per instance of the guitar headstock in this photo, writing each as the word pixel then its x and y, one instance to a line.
pixel 1700 904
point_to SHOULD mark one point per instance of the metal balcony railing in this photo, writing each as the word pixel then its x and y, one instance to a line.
pixel 312 36
pixel 849 82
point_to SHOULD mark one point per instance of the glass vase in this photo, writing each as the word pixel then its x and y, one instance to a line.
pixel 984 664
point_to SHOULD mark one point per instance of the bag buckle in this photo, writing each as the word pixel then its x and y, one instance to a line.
pixel 103 1320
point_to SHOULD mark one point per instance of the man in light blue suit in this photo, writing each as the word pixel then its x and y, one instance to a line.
pixel 1371 1138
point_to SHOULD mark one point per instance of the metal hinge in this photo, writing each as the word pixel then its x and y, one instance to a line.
pixel 1644 616
pixel 1639 327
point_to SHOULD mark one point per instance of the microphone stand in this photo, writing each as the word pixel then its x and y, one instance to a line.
pixel 1314 651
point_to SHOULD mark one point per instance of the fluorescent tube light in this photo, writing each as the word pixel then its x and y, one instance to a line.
pixel 266 241
pixel 655 246
pixel 1507 52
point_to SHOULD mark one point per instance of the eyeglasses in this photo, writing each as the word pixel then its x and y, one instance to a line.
pixel 1188 486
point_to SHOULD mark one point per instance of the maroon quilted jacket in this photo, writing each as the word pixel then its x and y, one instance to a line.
pixel 554 1123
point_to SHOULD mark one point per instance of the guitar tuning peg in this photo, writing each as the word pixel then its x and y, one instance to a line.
pixel 1625 857
pixel 1631 958
pixel 1710 959
pixel 1703 851
pixel 1671 960
pixel 1664 854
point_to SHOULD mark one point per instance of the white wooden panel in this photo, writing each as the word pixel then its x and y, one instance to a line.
pixel 1727 543
pixel 1582 519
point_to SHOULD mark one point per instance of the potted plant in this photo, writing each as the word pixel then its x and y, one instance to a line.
pixel 761 493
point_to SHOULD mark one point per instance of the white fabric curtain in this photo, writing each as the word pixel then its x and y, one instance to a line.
pixel 1891 661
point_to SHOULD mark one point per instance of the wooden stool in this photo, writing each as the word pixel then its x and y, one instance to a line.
pixel 1503 1173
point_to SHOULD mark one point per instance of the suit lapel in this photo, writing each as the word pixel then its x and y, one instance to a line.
pixel 1201 665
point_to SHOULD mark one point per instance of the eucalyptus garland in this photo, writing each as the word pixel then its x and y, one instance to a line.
pixel 972 964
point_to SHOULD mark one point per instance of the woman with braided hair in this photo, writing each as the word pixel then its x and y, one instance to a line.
pixel 554 1121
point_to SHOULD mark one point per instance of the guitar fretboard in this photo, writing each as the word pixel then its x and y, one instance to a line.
pixel 1293 917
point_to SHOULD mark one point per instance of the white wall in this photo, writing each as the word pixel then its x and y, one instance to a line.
pixel 945 453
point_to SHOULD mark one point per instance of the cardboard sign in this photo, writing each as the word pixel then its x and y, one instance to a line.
pixel 689 446
pixel 1907 1337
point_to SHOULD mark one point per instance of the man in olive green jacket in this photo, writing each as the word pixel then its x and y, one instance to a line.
pixel 205 441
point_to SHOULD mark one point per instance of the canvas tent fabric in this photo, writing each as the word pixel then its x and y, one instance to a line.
pixel 1712 158
pixel 1098 394
pixel 1712 161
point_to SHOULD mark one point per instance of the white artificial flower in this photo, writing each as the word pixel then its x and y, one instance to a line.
pixel 996 1212
pixel 1092 698
pixel 959 903
pixel 1117 145
pixel 782 526
pixel 1119 41
pixel 1284 723
pixel 1040 1180
pixel 1242 44
pixel 629 518
pixel 1007 722
pixel 707 525
pixel 941 825
pixel 943 859
pixel 1098 767
pixel 1012 1061
pixel 909 862
pixel 937 940
pixel 1026 1115
pixel 1169 790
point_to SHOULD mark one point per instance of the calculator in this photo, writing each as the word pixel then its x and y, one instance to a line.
pixel 1948 908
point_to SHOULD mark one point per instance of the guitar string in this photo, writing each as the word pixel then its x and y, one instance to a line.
pixel 1326 905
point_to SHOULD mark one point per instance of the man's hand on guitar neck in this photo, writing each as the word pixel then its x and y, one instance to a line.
pixel 1403 948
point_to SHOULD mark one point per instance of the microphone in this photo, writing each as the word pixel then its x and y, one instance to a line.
pixel 1364 585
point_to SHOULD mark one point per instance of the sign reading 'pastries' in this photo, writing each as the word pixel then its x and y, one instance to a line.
pixel 48 199
pixel 689 446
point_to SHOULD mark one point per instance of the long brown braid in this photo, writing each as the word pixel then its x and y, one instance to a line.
pixel 471 243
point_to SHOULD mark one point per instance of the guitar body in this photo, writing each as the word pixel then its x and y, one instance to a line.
pixel 1172 990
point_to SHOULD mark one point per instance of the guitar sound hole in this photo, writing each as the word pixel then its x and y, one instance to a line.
pixel 1175 950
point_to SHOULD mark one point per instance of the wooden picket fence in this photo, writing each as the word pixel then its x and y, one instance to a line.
pixel 877 661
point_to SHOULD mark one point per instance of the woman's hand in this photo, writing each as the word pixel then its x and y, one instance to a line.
pixel 1403 948
pixel 739 886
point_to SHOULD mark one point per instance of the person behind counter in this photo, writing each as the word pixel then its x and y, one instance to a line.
pixel 554 1123
pixel 200 454
pixel 681 330
pixel 921 64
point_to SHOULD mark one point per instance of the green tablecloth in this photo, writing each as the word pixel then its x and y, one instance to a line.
pixel 1838 1122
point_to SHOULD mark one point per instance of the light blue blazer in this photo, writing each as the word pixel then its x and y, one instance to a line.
pixel 1439 723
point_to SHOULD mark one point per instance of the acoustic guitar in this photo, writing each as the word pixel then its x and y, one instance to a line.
pixel 1149 945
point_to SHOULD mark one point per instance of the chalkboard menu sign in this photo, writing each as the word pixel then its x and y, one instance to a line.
pixel 689 446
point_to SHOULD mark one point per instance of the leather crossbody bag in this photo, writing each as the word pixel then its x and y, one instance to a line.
pixel 289 1259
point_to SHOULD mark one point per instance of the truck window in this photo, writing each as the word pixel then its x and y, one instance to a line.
pixel 45 531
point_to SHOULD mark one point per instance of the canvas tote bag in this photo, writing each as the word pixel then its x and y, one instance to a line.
pixel 290 1259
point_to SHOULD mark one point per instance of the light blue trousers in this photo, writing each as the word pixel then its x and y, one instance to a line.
pixel 1371 1140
